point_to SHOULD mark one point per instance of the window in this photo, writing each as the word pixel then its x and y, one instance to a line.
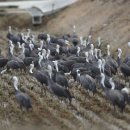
pixel 37 20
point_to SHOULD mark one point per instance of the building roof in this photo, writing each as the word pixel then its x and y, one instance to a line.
pixel 39 6
pixel 34 11
pixel 54 5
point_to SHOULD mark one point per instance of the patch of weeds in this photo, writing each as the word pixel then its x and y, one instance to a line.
pixel 1 93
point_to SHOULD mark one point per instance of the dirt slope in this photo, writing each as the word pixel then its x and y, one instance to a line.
pixel 109 19
pixel 86 112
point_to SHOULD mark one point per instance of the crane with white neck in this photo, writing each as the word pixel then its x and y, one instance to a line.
pixel 22 98
pixel 59 76
pixel 113 95
pixel 119 57
pixel 41 77
pixel 108 50
pixel 111 63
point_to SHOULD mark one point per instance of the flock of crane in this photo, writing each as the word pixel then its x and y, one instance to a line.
pixel 58 62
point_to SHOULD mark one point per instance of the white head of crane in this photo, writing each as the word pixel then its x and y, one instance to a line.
pixel 119 52
pixel 108 50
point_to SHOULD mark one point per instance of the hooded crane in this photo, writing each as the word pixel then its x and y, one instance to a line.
pixel 119 57
pixel 110 64
pixel 13 62
pixel 59 77
pixel 59 91
pixel 124 91
pixel 14 38
pixel 96 69
pixel 99 43
pixel 22 98
pixel 40 76
pixel 87 82
pixel 124 67
pixel 27 60
pixel 114 96
pixel 106 68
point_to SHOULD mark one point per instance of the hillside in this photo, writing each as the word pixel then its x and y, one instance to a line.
pixel 109 19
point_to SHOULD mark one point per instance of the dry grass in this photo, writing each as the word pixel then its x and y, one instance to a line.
pixel 93 113
pixel 108 19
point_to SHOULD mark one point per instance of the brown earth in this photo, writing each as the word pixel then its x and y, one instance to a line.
pixel 109 19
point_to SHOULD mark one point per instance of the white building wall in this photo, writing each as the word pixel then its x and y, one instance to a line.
pixel 44 5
